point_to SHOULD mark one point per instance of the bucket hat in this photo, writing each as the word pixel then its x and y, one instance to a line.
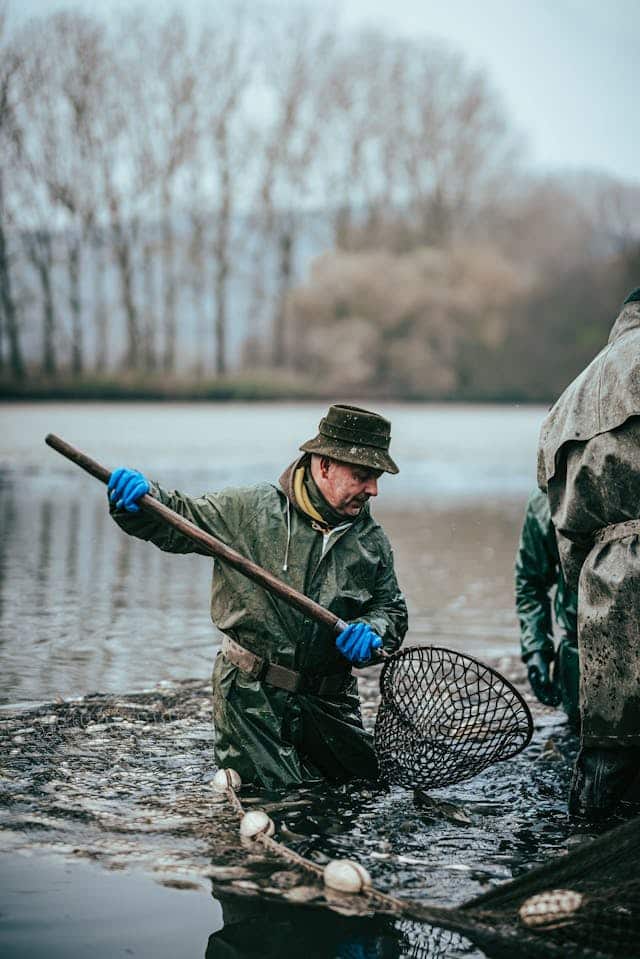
pixel 353 435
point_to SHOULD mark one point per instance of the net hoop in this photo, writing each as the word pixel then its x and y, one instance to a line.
pixel 444 717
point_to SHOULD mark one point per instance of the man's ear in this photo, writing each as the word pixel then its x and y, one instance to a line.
pixel 325 463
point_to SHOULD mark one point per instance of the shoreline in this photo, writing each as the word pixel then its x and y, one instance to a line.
pixel 235 389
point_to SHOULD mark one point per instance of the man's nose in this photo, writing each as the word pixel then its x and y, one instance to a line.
pixel 371 487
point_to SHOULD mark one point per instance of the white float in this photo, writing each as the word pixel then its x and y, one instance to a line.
pixel 256 823
pixel 345 875
pixel 550 909
pixel 226 779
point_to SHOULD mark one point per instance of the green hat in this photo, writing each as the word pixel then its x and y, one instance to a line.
pixel 356 436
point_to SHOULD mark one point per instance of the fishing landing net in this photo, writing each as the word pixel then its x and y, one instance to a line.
pixel 444 717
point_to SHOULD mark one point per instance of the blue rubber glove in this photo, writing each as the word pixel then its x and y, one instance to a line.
pixel 126 487
pixel 358 642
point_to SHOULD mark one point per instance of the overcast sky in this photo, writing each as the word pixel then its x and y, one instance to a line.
pixel 567 70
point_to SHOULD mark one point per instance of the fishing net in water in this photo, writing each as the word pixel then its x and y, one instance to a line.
pixel 444 717
pixel 584 904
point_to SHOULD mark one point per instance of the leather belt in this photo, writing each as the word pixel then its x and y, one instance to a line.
pixel 256 667
pixel 617 531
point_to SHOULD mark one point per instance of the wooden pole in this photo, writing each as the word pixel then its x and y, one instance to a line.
pixel 212 545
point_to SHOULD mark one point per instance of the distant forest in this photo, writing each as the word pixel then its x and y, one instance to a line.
pixel 262 204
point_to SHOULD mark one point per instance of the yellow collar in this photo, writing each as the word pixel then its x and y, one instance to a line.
pixel 302 497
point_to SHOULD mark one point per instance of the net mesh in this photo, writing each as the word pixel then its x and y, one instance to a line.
pixel 586 903
pixel 444 717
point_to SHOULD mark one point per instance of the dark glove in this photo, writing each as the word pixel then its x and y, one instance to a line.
pixel 358 642
pixel 539 673
pixel 126 487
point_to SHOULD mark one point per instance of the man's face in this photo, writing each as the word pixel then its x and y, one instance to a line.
pixel 347 488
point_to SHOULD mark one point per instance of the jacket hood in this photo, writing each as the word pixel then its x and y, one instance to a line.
pixel 601 398
pixel 627 320
pixel 286 480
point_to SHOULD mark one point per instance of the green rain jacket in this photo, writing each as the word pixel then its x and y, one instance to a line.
pixel 270 736
pixel 537 574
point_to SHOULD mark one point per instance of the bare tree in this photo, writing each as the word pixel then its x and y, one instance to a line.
pixel 82 61
pixel 32 207
pixel 197 264
pixel 611 205
pixel 99 245
pixel 162 84
pixel 421 143
pixel 365 102
pixel 124 175
pixel 298 58
pixel 400 319
pixel 458 148
pixel 149 257
pixel 39 248
pixel 226 64
pixel 182 166
pixel 64 66
pixel 10 144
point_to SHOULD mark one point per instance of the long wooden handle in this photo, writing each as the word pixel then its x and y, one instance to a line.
pixel 210 543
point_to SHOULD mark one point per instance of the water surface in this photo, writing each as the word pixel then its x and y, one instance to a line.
pixel 85 608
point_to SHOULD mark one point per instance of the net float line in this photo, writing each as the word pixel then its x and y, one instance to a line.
pixel 349 877
pixel 338 874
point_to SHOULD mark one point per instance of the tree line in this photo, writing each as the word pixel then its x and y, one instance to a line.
pixel 261 190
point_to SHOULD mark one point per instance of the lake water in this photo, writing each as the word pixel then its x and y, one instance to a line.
pixel 84 608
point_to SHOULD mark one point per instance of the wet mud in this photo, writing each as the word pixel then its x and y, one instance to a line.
pixel 126 781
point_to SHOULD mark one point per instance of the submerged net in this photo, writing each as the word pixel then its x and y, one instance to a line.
pixel 444 717
pixel 584 904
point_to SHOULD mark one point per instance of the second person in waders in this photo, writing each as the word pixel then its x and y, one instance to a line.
pixel 554 674
pixel 589 464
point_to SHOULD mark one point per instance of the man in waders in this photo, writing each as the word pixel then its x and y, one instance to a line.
pixel 285 703
pixel 589 463
pixel 537 575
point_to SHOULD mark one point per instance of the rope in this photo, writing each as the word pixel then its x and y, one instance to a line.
pixel 369 892
pixel 480 930
pixel 272 844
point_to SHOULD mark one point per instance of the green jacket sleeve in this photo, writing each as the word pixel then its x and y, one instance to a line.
pixel 217 513
pixel 387 615
pixel 536 571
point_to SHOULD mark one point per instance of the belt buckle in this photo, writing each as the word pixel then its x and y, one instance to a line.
pixel 258 669
pixel 249 664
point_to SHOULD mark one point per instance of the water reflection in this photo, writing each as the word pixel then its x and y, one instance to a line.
pixel 71 555
pixel 7 521
pixel 43 555
pixel 254 928
pixel 127 781
pixel 83 607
